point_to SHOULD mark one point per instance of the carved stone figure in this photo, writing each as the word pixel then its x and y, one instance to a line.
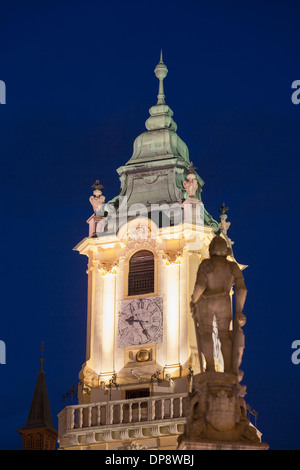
pixel 191 184
pixel 211 299
pixel 97 200
pixel 224 224
pixel 216 415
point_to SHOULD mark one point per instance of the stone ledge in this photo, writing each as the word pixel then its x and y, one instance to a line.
pixel 190 444
pixel 118 433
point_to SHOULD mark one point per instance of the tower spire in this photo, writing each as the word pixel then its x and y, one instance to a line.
pixel 161 140
pixel 39 432
pixel 161 72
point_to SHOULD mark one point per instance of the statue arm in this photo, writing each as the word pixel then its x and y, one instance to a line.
pixel 200 284
pixel 198 291
pixel 240 289
pixel 240 298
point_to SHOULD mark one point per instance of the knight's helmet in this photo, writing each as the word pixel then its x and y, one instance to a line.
pixel 218 247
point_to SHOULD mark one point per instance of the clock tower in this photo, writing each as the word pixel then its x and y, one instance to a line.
pixel 143 250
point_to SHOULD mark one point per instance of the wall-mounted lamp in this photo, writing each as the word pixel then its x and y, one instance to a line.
pixel 156 376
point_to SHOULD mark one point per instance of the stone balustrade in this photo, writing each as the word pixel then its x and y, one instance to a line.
pixel 121 419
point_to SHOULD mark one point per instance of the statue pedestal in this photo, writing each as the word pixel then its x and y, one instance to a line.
pixel 95 224
pixel 192 444
pixel 216 415
pixel 193 211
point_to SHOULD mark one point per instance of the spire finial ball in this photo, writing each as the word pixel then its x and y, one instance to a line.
pixel 161 70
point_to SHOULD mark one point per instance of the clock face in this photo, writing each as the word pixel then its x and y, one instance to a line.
pixel 140 321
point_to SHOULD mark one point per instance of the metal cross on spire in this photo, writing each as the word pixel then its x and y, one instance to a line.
pixel 223 209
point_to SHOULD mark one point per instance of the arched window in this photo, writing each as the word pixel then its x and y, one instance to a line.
pixel 141 273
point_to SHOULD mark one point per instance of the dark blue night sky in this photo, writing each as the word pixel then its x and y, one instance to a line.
pixel 79 81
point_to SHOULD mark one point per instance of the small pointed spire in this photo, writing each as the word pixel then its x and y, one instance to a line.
pixel 161 72
pixel 39 423
pixel 161 57
pixel 42 355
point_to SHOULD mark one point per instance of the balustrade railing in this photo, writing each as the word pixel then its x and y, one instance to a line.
pixel 111 413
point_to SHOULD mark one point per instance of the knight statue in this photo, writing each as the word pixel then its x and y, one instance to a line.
pixel 211 299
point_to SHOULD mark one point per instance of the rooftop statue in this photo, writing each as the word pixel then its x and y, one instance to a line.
pixel 191 183
pixel 97 200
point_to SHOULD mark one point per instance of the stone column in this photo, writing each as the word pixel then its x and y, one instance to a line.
pixel 184 349
pixel 172 317
pixel 107 323
pixel 101 317
pixel 93 310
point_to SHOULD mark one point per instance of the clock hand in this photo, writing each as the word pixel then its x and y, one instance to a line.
pixel 144 330
pixel 130 321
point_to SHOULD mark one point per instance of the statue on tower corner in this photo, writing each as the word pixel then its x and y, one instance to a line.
pixel 211 299
pixel 97 200
pixel 191 184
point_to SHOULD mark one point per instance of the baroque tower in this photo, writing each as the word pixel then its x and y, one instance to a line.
pixel 143 249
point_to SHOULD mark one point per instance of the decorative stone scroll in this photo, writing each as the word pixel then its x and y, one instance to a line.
pixel 140 234
pixel 108 267
pixel 136 446
pixel 172 257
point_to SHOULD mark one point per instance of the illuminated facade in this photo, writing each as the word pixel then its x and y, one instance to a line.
pixel 144 248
